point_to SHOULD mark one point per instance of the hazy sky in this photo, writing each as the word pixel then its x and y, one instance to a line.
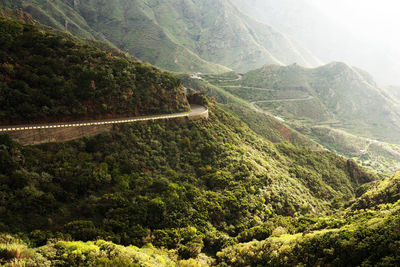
pixel 376 19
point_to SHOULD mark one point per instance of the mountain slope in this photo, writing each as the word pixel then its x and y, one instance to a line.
pixel 343 96
pixel 46 76
pixel 175 35
pixel 214 174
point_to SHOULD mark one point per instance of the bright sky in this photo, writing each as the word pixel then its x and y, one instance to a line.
pixel 379 19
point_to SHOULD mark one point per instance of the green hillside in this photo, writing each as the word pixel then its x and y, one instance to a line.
pixel 336 105
pixel 174 35
pixel 365 234
pixel 241 188
pixel 335 95
pixel 357 238
pixel 379 156
pixel 156 180
pixel 263 124
pixel 48 77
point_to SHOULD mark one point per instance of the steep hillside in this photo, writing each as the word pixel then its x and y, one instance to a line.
pixel 376 155
pixel 335 94
pixel 378 193
pixel 379 156
pixel 175 35
pixel 46 76
pixel 366 233
pixel 152 182
pixel 263 124
pixel 338 106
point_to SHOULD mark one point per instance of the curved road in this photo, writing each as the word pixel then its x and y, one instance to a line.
pixel 253 104
pixel 247 87
pixel 196 110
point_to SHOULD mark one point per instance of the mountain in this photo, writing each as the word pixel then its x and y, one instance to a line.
pixel 328 39
pixel 215 192
pixel 337 106
pixel 154 182
pixel 377 155
pixel 178 35
pixel 336 95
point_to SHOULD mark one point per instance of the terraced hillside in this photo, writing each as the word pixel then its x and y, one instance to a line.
pixel 335 95
pixel 336 105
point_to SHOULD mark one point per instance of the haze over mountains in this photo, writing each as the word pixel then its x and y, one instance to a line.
pixel 336 37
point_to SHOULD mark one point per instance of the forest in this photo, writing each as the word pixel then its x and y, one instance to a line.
pixel 49 77
pixel 190 189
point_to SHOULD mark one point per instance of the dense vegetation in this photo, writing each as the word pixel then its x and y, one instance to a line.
pixel 46 76
pixel 344 97
pixel 208 192
pixel 193 187
pixel 366 234
pixel 327 104
pixel 261 123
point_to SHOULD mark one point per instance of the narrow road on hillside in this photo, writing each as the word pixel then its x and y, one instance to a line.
pixel 253 104
pixel 247 87
pixel 196 110
pixel 239 78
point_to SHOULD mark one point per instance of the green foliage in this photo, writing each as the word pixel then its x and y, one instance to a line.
pixel 47 77
pixel 344 98
pixel 376 155
pixel 15 252
pixel 186 186
pixel 261 123
pixel 326 104
pixel 362 242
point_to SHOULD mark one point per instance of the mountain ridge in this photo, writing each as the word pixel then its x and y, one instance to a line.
pixel 175 35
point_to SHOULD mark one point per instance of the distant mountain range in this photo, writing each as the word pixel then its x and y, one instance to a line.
pixel 324 37
pixel 336 105
pixel 179 35
pixel 343 96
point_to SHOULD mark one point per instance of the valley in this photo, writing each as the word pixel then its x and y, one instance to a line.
pixel 296 103
pixel 186 133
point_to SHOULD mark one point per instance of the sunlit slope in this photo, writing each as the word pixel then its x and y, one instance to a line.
pixel 175 35
pixel 340 96
pixel 214 174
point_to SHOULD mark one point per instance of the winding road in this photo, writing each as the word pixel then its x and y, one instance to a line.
pixel 196 111
pixel 253 104
pixel 247 87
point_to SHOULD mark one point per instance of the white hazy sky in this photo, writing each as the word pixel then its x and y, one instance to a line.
pixel 377 19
